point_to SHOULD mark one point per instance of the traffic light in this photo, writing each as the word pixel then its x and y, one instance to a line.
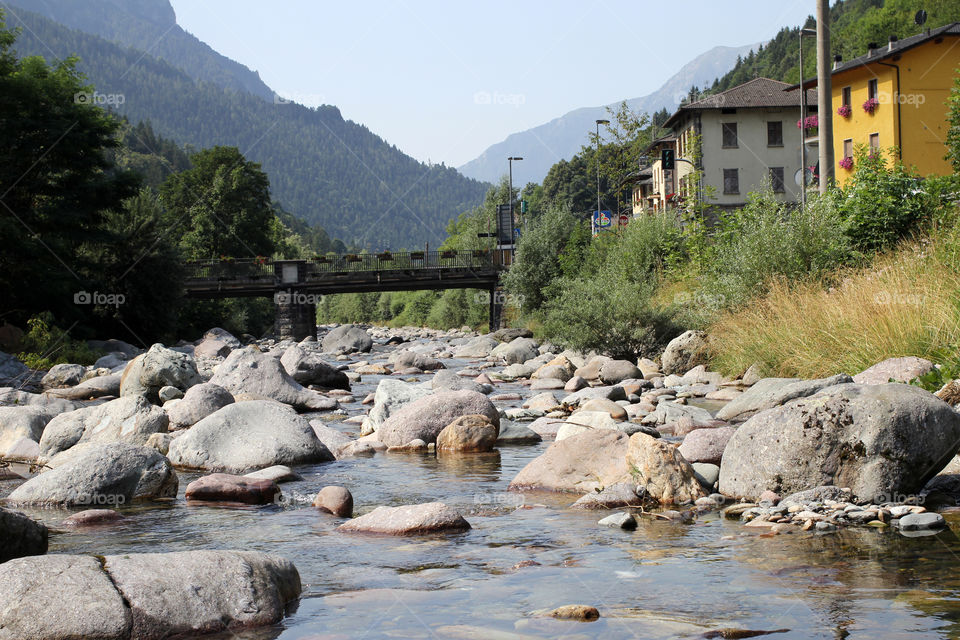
pixel 523 206
pixel 666 159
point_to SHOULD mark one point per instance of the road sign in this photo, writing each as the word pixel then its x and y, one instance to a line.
pixel 602 220
pixel 624 219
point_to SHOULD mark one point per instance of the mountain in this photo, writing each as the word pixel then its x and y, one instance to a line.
pixel 322 168
pixel 562 137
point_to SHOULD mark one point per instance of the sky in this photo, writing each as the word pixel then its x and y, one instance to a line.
pixel 443 80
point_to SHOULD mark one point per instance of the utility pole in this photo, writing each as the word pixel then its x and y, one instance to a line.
pixel 824 95
pixel 599 122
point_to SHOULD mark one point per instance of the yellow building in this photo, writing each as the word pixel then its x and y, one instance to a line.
pixel 895 96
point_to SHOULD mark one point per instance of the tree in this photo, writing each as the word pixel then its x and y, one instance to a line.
pixel 626 136
pixel 221 207
pixel 953 118
pixel 537 261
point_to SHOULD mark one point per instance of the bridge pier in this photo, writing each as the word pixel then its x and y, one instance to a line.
pixel 295 320
pixel 496 308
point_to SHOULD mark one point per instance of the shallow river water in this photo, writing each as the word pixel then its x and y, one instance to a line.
pixel 527 553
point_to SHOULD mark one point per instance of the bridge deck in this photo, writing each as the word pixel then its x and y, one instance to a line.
pixel 344 273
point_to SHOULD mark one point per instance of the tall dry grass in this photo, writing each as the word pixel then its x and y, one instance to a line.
pixel 906 304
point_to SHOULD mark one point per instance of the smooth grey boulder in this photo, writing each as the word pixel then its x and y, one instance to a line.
pixel 333 439
pixel 308 367
pixel 518 351
pixel 223 336
pixel 879 440
pixel 406 359
pixel 261 375
pixel 390 396
pixel 60 596
pixel 21 536
pixel 448 380
pixel 516 370
pixel 608 393
pixel 512 433
pixel 896 369
pixel 159 367
pixel 212 348
pixel 112 360
pixel 63 375
pixel 16 397
pixel 22 422
pixel 773 392
pixel 248 435
pixel 615 496
pixel 97 387
pixel 479 347
pixel 129 419
pixel 11 369
pixel 684 353
pixel 426 417
pixel 197 403
pixel 101 474
pixel 408 520
pixel 921 521
pixel 706 445
pixel 347 339
pixel 616 371
pixel 582 463
pixel 509 334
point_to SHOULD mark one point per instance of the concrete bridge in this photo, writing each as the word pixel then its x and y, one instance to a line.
pixel 297 285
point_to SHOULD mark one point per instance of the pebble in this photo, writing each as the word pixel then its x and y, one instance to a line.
pixel 622 520
pixel 826 527
pixel 921 521
pixel 582 612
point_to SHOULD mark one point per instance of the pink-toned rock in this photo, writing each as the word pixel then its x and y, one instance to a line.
pixel 369 399
pixel 706 445
pixel 426 417
pixel 468 433
pixel 414 519
pixel 92 517
pixel 662 472
pixel 224 487
pixel 770 496
pixel 546 427
pixel 616 411
pixel 896 369
pixel 212 348
pixel 336 500
pixel 505 397
pixel 581 463
pixel 483 379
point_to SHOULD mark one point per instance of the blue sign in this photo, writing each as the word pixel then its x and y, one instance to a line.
pixel 602 220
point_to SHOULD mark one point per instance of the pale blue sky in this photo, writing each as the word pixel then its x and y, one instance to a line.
pixel 443 80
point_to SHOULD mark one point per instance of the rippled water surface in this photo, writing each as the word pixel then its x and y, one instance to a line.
pixel 664 580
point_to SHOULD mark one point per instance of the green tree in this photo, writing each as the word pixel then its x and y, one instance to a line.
pixel 626 137
pixel 953 118
pixel 537 260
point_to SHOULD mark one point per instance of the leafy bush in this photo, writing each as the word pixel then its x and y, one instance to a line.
pixel 45 345
pixel 537 260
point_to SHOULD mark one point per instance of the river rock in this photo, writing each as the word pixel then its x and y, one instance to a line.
pixel 101 474
pixel 407 359
pixel 197 403
pixel 622 520
pixel 660 470
pixel 447 380
pixel 224 487
pixel 582 612
pixel 516 371
pixel 246 435
pixel 93 518
pixel 20 423
pixel 579 464
pixel 336 500
pixel 223 336
pixel 574 384
pixel 479 347
pixel 773 392
pixel 610 393
pixel 706 473
pixel 614 410
pixel 96 387
pixel 706 445
pixel 512 433
pixel 518 350
pixel 560 368
pixel 616 371
pixel 543 401
pixel 896 369
pixel 21 537
pixel 547 427
pixel 248 371
pixel 158 367
pixel 279 473
pixel 308 367
pixel 878 440
pixel 63 375
pixel 921 521
pixel 616 496
pixel 128 419
pixel 685 352
pixel 347 339
pixel 468 433
pixel 390 396
pixel 408 520
pixel 213 348
pixel 509 334
pixel 426 417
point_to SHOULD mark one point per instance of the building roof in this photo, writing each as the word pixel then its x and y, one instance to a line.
pixel 886 51
pixel 759 92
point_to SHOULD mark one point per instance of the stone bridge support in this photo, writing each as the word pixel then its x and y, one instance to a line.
pixel 296 319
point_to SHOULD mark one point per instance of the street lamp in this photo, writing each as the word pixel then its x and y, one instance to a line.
pixel 599 122
pixel 803 122
pixel 510 160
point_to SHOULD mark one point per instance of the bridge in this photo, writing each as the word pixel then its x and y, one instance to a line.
pixel 296 285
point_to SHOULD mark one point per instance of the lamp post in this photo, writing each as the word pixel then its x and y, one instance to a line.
pixel 599 122
pixel 803 123
pixel 510 161
pixel 824 90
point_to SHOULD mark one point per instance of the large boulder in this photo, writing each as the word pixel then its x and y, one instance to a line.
pixel 510 334
pixel 17 397
pixel 684 353
pixel 616 371
pixel 479 347
pixel 407 359
pixel 773 392
pixel 212 348
pixel 222 335
pixel 347 339
pixel 408 520
pixel 308 367
pixel 468 433
pixel 97 387
pixel 197 403
pixel 12 371
pixel 879 440
pixel 390 396
pixel 661 471
pixel 896 369
pixel 249 371
pixel 518 351
pixel 706 445
pixel 560 368
pixel 426 417
pixel 579 464
pixel 159 367
pixel 225 487
pixel 21 536
pixel 449 380
pixel 63 375
pixel 128 419
pixel 248 435
pixel 101 474
pixel 21 423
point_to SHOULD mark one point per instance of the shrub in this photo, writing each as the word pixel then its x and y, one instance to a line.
pixel 45 345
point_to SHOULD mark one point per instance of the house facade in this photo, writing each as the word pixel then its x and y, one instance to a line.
pixel 895 96
pixel 741 139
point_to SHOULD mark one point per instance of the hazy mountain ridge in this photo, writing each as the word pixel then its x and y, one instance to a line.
pixel 542 146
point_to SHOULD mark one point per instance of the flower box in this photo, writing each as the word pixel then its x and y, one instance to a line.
pixel 353 258
pixel 846 163
pixel 871 105
pixel 447 255
pixel 416 255
pixel 386 255
pixel 844 111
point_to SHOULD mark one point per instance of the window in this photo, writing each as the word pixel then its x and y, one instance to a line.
pixel 874 143
pixel 775 134
pixel 731 181
pixel 845 92
pixel 872 89
pixel 729 130
pixel 776 179
pixel 848 148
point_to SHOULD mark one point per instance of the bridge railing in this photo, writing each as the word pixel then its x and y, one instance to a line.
pixel 318 266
